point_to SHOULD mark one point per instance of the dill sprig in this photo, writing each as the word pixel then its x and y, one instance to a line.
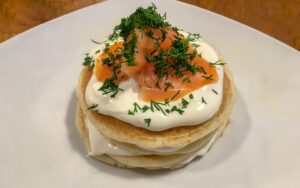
pixel 147 121
pixel 168 85
pixel 203 100
pixel 109 87
pixel 184 103
pixel 215 91
pixel 89 61
pixel 142 18
pixel 162 107
pixel 177 58
pixel 96 42
pixel 210 77
pixel 178 110
pixel 175 95
pixel 93 106
pixel 219 62
pixel 193 36
pixel 129 50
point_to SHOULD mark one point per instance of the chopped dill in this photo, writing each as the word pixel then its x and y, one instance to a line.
pixel 215 91
pixel 168 85
pixel 175 109
pixel 130 113
pixel 106 47
pixel 145 108
pixel 163 33
pixel 129 50
pixel 203 101
pixel 140 19
pixel 202 70
pixel 193 36
pixel 219 62
pixel 109 87
pixel 136 107
pixel 163 107
pixel 89 61
pixel 147 121
pixel 178 55
pixel 175 95
pixel 184 103
pixel 114 36
pixel 210 77
pixel 186 79
pixel 96 42
pixel 93 106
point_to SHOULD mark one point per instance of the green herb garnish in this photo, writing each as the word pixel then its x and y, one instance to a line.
pixel 178 55
pixel 141 19
pixel 202 70
pixel 175 109
pixel 184 103
pixel 163 107
pixel 175 95
pixel 89 61
pixel 93 106
pixel 129 50
pixel 147 121
pixel 96 42
pixel 136 107
pixel 203 101
pixel 219 62
pixel 145 108
pixel 130 112
pixel 210 77
pixel 114 36
pixel 168 85
pixel 215 91
pixel 186 79
pixel 193 36
pixel 109 87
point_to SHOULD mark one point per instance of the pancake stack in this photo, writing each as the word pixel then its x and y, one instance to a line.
pixel 183 143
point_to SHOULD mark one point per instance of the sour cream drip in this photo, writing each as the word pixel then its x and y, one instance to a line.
pixel 101 145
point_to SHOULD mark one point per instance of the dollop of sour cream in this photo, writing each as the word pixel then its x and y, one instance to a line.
pixel 201 107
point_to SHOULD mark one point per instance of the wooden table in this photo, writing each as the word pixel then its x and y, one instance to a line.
pixel 278 18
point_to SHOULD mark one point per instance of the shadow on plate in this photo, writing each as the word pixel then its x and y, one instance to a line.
pixel 232 139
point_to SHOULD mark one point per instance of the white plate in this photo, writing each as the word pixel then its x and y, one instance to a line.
pixel 40 146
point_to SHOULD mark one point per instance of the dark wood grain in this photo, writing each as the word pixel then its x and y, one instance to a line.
pixel 278 18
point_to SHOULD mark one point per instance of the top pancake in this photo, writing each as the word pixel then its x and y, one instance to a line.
pixel 176 137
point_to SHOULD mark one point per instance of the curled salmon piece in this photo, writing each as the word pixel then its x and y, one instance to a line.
pixel 104 70
pixel 139 58
pixel 172 87
pixel 146 43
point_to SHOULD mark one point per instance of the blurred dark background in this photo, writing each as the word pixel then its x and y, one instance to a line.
pixel 278 18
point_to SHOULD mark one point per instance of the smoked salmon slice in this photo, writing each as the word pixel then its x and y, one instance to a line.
pixel 150 43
